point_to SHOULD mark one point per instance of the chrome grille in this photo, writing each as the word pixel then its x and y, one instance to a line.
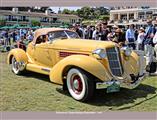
pixel 114 60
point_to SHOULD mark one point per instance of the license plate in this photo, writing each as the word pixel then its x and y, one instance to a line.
pixel 113 88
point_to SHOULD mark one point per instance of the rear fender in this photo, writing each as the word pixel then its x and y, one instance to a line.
pixel 19 54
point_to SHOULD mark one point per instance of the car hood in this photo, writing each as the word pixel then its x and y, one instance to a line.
pixel 81 44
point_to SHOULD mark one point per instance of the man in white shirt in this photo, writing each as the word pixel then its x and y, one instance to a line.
pixel 95 33
pixel 130 36
pixel 140 39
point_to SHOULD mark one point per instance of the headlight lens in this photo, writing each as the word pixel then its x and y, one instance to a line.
pixel 100 52
pixel 127 51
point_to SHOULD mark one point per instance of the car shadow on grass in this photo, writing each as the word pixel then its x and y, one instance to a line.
pixel 125 96
pixel 101 98
pixel 37 76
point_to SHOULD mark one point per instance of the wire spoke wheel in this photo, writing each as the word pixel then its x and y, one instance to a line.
pixel 15 66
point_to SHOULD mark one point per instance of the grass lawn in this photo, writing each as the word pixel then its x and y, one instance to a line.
pixel 34 92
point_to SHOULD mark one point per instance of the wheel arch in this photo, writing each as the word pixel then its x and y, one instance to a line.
pixel 19 54
pixel 132 65
pixel 67 68
pixel 96 69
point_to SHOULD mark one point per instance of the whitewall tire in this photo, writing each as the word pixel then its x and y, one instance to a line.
pixel 79 84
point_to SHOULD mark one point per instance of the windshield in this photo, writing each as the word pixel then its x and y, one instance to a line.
pixel 62 34
pixel 72 34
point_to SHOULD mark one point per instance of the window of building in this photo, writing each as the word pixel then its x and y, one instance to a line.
pixel 131 16
pixel 149 12
pixel 123 17
pixel 54 20
pixel 141 15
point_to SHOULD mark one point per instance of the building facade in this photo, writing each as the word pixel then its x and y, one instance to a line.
pixel 132 14
pixel 46 19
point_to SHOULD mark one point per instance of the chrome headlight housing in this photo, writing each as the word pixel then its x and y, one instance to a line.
pixel 127 51
pixel 100 52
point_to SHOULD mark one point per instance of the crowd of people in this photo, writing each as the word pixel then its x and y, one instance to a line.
pixel 9 37
pixel 144 39
pixel 134 38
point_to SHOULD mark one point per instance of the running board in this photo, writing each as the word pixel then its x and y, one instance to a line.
pixel 38 69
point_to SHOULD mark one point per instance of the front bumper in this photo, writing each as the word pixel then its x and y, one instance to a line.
pixel 121 83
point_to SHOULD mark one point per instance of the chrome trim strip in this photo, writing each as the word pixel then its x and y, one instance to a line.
pixel 119 60
pixel 45 69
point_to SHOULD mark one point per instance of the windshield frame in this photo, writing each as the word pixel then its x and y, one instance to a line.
pixel 65 32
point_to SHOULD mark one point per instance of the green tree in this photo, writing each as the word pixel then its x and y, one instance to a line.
pixel 66 11
pixel 84 12
pixel 104 17
pixel 88 13
pixel 35 23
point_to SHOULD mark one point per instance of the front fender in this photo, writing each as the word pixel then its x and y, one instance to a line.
pixel 132 64
pixel 19 54
pixel 87 63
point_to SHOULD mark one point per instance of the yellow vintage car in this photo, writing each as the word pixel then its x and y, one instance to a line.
pixel 80 65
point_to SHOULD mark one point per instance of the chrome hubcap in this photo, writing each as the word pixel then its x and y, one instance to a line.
pixel 76 84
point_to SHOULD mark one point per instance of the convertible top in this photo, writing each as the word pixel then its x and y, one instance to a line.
pixel 44 31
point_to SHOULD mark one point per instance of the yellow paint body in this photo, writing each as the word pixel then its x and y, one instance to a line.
pixel 19 54
pixel 45 58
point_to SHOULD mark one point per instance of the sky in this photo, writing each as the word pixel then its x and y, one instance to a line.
pixel 55 9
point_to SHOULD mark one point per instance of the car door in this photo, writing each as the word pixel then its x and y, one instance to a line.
pixel 41 53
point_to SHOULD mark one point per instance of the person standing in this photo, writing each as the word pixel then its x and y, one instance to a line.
pixel 118 37
pixel 148 43
pixel 155 43
pixel 130 36
pixel 91 32
pixel 95 33
pixel 140 39
pixel 99 31
pixel 14 36
pixel 105 31
pixel 17 36
pixel 6 36
pixel 86 32
pixel 79 30
pixel 113 30
pixel 30 36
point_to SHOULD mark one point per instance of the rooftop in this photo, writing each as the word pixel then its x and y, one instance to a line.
pixel 35 14
pixel 132 9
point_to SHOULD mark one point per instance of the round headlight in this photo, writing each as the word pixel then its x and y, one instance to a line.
pixel 100 52
pixel 127 51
